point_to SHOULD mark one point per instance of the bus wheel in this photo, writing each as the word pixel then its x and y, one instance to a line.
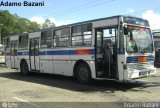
pixel 24 68
pixel 83 73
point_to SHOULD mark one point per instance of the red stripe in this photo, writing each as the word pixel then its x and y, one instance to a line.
pixel 83 51
pixel 142 59
pixel 131 40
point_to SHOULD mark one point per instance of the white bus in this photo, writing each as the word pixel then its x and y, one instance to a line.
pixel 117 48
pixel 156 37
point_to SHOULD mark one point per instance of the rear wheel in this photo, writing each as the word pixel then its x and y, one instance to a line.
pixel 83 73
pixel 24 68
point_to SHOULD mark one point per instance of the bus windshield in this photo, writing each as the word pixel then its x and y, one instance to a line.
pixel 139 40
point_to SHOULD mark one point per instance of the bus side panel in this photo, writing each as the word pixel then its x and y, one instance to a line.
pixel 62 63
pixel 14 61
pixel 8 59
pixel 46 63
pixel 123 75
pixel 63 67
pixel 18 63
pixel 93 69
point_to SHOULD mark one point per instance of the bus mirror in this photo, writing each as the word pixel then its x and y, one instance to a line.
pixel 125 30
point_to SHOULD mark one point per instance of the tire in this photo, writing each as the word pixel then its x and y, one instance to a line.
pixel 24 68
pixel 83 73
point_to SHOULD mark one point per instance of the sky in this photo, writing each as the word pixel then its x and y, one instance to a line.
pixel 63 12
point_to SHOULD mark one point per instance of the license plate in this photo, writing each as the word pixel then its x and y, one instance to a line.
pixel 143 73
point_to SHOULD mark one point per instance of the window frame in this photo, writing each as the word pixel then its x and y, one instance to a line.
pixel 50 30
pixel 63 35
pixel 24 48
pixel 82 34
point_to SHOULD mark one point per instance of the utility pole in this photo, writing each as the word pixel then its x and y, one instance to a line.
pixel 1 25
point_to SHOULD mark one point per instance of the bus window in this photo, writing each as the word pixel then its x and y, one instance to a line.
pixel 61 37
pixel 81 35
pixel 23 41
pixel 46 39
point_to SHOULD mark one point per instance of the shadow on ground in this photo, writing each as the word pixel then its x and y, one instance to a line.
pixel 71 84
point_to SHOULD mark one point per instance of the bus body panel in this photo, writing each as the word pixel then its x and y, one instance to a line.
pixel 61 62
pixel 7 59
pixel 46 64
pixel 105 23
pixel 14 38
pixel 121 73
pixel 35 35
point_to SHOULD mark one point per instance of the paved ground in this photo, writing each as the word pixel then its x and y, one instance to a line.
pixel 15 87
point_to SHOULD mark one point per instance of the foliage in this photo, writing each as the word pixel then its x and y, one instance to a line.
pixel 48 24
pixel 13 24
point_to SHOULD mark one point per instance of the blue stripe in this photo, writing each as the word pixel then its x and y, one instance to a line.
pixel 92 51
pixel 135 59
pixel 23 53
pixel 132 59
pixel 59 52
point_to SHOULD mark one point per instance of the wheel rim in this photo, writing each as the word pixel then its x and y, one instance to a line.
pixel 83 73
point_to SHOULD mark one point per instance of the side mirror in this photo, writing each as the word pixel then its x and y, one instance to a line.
pixel 125 29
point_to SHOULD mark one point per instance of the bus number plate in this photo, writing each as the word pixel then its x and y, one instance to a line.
pixel 143 73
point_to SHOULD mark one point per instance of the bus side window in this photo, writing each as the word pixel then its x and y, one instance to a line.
pixel 46 39
pixel 61 37
pixel 82 34
pixel 23 41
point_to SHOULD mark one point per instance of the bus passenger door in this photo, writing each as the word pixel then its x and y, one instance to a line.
pixel 106 53
pixel 34 54
pixel 13 54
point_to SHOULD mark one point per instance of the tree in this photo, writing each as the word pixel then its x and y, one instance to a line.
pixel 13 24
pixel 48 24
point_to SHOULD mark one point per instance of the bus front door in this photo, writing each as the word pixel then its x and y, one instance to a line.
pixel 106 53
pixel 34 54
pixel 13 54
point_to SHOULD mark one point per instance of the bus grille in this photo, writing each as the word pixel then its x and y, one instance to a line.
pixel 139 66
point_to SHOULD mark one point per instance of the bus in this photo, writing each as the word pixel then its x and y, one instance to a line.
pixel 113 48
pixel 156 37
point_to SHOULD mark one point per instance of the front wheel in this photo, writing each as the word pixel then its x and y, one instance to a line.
pixel 83 73
pixel 24 68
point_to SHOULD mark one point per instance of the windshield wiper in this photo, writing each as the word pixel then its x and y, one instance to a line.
pixel 142 51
